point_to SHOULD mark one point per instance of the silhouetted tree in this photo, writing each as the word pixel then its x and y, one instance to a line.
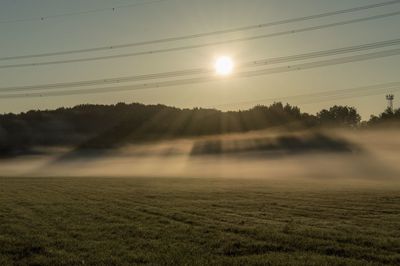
pixel 389 116
pixel 110 125
pixel 339 116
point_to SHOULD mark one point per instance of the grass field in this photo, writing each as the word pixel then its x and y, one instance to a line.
pixel 128 221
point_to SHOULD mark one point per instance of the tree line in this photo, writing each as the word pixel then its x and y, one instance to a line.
pixel 96 126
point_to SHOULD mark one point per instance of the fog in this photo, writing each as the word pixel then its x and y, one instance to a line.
pixel 338 157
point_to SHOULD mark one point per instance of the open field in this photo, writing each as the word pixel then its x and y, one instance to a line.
pixel 240 200
pixel 127 221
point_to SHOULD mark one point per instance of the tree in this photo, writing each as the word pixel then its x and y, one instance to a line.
pixel 339 116
pixel 389 116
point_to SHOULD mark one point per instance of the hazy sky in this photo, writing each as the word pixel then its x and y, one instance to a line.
pixel 171 18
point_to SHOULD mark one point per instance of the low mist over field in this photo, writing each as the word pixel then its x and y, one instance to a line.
pixel 338 156
pixel 312 197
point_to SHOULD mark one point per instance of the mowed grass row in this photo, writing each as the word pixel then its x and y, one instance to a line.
pixel 115 221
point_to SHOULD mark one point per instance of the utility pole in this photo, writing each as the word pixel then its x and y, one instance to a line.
pixel 390 98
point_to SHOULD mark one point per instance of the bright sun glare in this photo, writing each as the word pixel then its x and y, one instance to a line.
pixel 224 65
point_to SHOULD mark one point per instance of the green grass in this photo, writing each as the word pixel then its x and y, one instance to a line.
pixel 100 221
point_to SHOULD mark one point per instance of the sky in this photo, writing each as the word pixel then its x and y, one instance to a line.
pixel 154 19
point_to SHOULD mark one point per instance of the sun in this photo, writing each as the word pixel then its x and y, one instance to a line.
pixel 224 65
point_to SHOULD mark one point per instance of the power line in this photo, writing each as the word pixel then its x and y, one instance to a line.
pixel 326 95
pixel 78 13
pixel 349 96
pixel 87 59
pixel 329 62
pixel 206 34
pixel 198 71
pixel 191 81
